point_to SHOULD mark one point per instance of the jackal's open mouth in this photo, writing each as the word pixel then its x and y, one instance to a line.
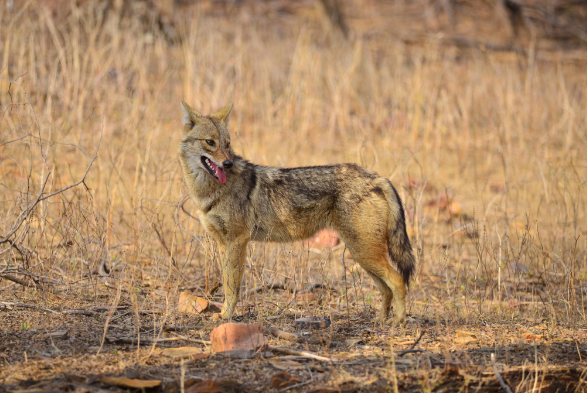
pixel 214 169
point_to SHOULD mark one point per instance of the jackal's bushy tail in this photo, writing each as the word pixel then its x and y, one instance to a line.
pixel 399 247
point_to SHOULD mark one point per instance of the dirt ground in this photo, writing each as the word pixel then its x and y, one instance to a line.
pixel 69 343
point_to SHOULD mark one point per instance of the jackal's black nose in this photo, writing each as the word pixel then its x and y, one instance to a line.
pixel 227 164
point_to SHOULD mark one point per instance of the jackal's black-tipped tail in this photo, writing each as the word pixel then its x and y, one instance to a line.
pixel 399 247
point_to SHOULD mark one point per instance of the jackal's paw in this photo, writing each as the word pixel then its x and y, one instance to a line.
pixel 216 317
pixel 378 320
pixel 398 320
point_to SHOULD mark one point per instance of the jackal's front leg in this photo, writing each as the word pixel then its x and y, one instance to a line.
pixel 232 274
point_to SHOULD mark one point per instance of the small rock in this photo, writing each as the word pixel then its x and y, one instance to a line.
pixel 238 336
pixel 354 341
pixel 312 323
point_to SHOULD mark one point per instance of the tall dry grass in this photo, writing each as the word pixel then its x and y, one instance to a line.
pixel 487 151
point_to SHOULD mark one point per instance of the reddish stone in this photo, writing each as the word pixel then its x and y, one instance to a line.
pixel 238 336
pixel 324 238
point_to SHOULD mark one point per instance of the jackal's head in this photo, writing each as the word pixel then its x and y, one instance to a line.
pixel 206 141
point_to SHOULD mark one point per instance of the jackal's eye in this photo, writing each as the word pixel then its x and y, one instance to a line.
pixel 227 145
pixel 210 142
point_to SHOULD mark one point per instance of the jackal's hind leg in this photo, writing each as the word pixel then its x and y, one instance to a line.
pixel 372 257
pixel 398 287
pixel 386 298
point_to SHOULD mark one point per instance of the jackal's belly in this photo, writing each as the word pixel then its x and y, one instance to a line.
pixel 290 225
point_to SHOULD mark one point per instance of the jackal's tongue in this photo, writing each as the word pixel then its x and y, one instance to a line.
pixel 219 172
pixel 221 175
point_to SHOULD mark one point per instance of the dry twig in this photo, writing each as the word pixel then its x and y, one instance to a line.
pixel 295 352
pixel 502 382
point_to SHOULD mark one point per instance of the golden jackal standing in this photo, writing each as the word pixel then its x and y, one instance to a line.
pixel 238 201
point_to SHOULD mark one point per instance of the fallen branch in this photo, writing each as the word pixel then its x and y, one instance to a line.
pixel 315 286
pixel 18 281
pixel 402 353
pixel 170 328
pixel 295 352
pixel 192 340
pixel 265 287
pixel 25 305
pixel 282 334
pixel 108 308
pixel 89 313
pixel 135 341
pixel 411 349
pixel 502 382
pixel 297 385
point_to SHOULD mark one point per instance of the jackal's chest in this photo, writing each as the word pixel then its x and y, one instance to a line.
pixel 215 224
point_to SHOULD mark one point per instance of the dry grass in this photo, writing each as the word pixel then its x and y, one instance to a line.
pixel 486 149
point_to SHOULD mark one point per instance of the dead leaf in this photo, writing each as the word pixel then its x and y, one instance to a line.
pixel 346 355
pixel 369 350
pixel 182 352
pixel 130 383
pixel 354 341
pixel 207 386
pixel 283 379
pixel 463 340
pixel 158 294
pixel 408 342
pixel 530 336
pixel 465 333
pixel 191 304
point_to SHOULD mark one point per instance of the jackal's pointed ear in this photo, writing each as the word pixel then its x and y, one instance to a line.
pixel 190 116
pixel 223 114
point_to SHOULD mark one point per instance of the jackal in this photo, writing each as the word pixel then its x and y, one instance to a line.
pixel 238 201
